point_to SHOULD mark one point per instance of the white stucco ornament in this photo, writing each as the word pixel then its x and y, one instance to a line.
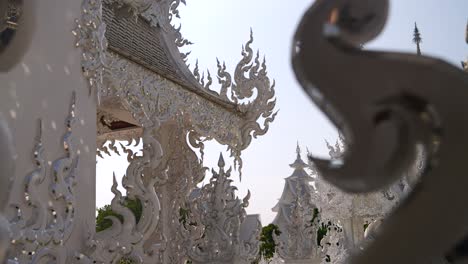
pixel 218 227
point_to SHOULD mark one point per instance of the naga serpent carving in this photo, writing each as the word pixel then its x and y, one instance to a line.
pixel 386 104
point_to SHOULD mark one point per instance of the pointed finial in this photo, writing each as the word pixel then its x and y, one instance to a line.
pixel 298 149
pixel 417 38
pixel 221 161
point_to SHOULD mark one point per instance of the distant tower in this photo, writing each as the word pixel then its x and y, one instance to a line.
pixel 295 210
pixel 417 38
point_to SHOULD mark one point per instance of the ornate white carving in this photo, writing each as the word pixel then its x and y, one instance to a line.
pixel 152 100
pixel 348 215
pixel 299 239
pixel 242 89
pixel 215 219
pixel 41 237
pixel 161 13
pixel 90 37
pixel 7 172
pixel 334 203
pixel 138 86
pixel 297 217
pixel 185 170
pixel 158 14
pixel 141 89
pixel 106 140
pixel 127 239
pixel 334 248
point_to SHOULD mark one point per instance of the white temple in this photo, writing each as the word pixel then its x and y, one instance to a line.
pixel 111 71
pixel 348 220
pixel 295 213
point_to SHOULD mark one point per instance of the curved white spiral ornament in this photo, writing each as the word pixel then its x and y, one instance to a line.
pixel 385 107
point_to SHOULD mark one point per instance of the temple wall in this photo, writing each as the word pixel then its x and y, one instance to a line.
pixel 40 86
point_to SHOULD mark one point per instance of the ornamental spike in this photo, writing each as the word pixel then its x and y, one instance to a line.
pixel 221 162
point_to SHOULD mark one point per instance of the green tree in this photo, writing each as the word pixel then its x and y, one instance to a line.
pixel 267 242
pixel 102 222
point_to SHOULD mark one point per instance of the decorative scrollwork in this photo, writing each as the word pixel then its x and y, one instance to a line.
pixel 216 215
pixel 42 236
pixel 140 87
pixel 264 103
pixel 158 14
pixel 90 37
pixel 242 89
pixel 349 213
pixel 128 238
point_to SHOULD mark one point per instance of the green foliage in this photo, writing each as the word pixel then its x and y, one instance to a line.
pixel 366 225
pixel 184 217
pixel 315 216
pixel 322 229
pixel 267 242
pixel 322 232
pixel 126 261
pixel 102 222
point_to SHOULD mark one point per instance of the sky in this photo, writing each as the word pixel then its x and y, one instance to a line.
pixel 219 28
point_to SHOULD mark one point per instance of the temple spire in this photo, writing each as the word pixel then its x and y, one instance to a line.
pixel 298 149
pixel 295 209
pixel 417 38
pixel 298 164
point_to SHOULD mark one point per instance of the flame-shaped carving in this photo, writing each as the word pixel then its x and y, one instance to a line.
pixel 385 107
pixel 216 215
pixel 250 75
pixel 128 238
pixel 43 234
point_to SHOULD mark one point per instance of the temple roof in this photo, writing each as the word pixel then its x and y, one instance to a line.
pixel 296 185
pixel 135 39
pixel 153 47
pixel 299 165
